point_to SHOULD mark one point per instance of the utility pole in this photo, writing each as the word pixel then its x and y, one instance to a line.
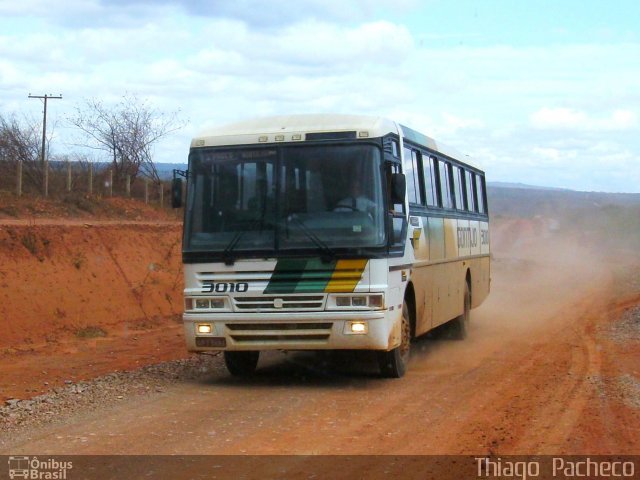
pixel 45 161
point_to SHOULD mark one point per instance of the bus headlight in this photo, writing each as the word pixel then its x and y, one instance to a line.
pixel 373 301
pixel 202 303
pixel 359 301
pixel 199 304
pixel 343 301
pixel 217 303
pixel 376 301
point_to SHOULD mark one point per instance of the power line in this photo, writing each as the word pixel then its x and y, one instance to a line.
pixel 45 161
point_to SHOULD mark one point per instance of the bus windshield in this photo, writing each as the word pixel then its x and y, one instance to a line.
pixel 285 199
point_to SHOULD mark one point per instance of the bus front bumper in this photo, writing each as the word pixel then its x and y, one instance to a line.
pixel 297 331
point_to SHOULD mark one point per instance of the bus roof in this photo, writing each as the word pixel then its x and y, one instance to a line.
pixel 250 131
pixel 418 138
pixel 293 128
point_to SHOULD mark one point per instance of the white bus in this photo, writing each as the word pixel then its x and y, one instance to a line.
pixel 328 232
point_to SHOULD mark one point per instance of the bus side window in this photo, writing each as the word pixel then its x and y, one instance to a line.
pixel 480 191
pixel 471 203
pixel 445 186
pixel 410 166
pixel 391 169
pixel 428 174
pixel 417 175
pixel 457 185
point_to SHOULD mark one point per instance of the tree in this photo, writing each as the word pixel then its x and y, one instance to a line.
pixel 127 132
pixel 21 141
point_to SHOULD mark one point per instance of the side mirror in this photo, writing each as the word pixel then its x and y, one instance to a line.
pixel 176 193
pixel 398 187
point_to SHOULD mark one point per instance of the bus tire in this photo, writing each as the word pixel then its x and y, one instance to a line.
pixel 241 363
pixel 393 364
pixel 459 329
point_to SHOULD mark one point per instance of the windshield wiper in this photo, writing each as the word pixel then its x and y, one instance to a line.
pixel 227 252
pixel 327 251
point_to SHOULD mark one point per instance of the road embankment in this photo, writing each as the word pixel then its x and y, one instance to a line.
pixel 82 298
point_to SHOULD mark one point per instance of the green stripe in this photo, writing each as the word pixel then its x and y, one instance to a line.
pixel 316 276
pixel 286 276
pixel 294 275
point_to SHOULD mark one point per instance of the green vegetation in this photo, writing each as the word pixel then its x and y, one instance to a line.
pixel 10 210
pixel 90 332
pixel 30 242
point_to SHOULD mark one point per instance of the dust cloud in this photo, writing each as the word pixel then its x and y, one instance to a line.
pixel 542 266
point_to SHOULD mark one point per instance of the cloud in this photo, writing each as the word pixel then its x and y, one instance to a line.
pixel 255 13
pixel 552 154
pixel 454 124
pixel 570 119
pixel 581 160
pixel 518 110
pixel 277 13
pixel 312 48
pixel 42 7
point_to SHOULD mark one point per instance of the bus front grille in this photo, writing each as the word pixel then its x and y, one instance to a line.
pixel 280 332
pixel 279 303
pixel 279 338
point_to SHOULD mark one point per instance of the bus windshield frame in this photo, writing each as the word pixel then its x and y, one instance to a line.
pixel 259 201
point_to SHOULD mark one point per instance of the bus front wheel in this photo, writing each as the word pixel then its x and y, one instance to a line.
pixel 241 364
pixel 393 364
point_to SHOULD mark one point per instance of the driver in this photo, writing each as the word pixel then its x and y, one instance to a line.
pixel 356 200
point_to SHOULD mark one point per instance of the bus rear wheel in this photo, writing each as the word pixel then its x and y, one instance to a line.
pixel 393 364
pixel 241 364
pixel 459 328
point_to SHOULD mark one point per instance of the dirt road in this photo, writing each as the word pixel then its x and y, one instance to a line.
pixel 551 366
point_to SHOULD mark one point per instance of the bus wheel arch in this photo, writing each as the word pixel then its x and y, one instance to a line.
pixel 393 363
pixel 458 328
pixel 410 298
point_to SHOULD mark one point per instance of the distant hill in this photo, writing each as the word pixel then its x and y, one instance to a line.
pixel 528 201
pixel 522 185
pixel 609 221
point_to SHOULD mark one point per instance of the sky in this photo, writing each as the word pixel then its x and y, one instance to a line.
pixel 543 92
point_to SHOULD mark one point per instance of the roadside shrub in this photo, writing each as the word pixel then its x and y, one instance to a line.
pixel 90 332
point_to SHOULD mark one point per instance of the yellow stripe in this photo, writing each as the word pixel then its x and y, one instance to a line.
pixel 346 276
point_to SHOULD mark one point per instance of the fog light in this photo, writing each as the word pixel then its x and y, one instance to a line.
pixel 358 327
pixel 204 328
pixel 343 301
pixel 202 303
pixel 359 301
